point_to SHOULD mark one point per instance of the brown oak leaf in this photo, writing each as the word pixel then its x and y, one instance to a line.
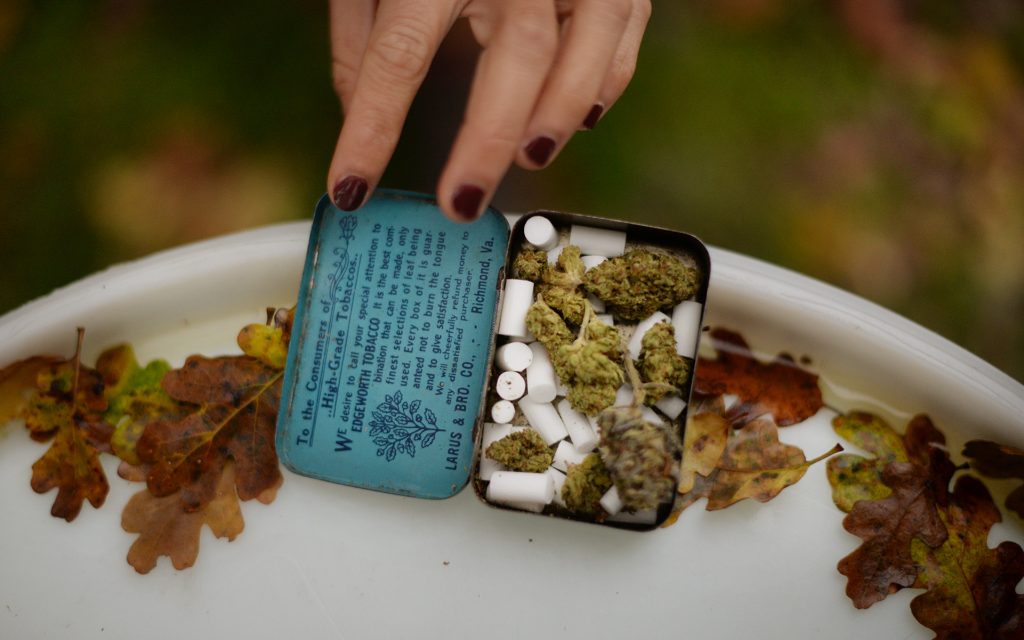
pixel 18 384
pixel 882 564
pixel 703 444
pixel 781 388
pixel 970 588
pixel 237 399
pixel 67 410
pixel 854 477
pixel 999 461
pixel 757 465
pixel 165 529
pixel 753 464
pixel 234 402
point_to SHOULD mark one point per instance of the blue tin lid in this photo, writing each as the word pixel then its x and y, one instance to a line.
pixel 391 345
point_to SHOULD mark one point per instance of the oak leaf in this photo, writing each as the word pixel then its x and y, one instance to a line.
pixel 237 400
pixel 854 477
pixel 66 409
pixel 882 564
pixel 703 444
pixel 970 587
pixel 781 387
pixel 233 402
pixel 18 385
pixel 165 529
pixel 999 461
pixel 134 398
pixel 753 464
pixel 757 465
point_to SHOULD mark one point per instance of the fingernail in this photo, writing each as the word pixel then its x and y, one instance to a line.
pixel 467 200
pixel 540 149
pixel 349 193
pixel 595 114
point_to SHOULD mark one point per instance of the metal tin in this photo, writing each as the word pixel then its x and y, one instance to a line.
pixel 679 243
pixel 371 404
pixel 391 342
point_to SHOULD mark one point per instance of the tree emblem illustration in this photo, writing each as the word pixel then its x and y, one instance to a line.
pixel 399 426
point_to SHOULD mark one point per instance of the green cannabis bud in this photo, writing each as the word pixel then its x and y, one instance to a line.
pixel 568 270
pixel 522 451
pixel 659 362
pixel 585 483
pixel 530 265
pixel 590 366
pixel 640 457
pixel 547 326
pixel 571 303
pixel 559 284
pixel 640 282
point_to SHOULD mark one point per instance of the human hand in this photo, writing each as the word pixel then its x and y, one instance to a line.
pixel 548 68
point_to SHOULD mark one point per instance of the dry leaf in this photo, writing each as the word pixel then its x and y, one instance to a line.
pixel 883 563
pixel 68 406
pixel 165 529
pixel 232 415
pixel 236 400
pixel 18 385
pixel 999 461
pixel 757 465
pixel 919 534
pixel 790 394
pixel 134 398
pixel 703 444
pixel 971 588
pixel 753 464
pixel 854 477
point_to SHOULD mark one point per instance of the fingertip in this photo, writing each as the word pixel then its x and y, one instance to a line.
pixel 540 150
pixel 593 117
pixel 349 193
pixel 466 202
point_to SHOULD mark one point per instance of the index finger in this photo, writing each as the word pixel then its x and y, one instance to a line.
pixel 401 45
pixel 509 77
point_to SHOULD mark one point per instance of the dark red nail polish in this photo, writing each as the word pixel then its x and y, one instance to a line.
pixel 595 114
pixel 349 193
pixel 467 201
pixel 540 149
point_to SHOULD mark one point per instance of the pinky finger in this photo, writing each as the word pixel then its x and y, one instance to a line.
pixel 620 73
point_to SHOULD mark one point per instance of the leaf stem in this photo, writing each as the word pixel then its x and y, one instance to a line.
pixel 588 314
pixel 78 365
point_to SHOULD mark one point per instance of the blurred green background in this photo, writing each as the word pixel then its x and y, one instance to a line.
pixel 875 144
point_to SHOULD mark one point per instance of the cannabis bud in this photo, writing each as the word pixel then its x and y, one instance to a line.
pixel 529 265
pixel 585 483
pixel 522 451
pixel 640 282
pixel 640 457
pixel 547 326
pixel 589 366
pixel 568 270
pixel 559 284
pixel 659 362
